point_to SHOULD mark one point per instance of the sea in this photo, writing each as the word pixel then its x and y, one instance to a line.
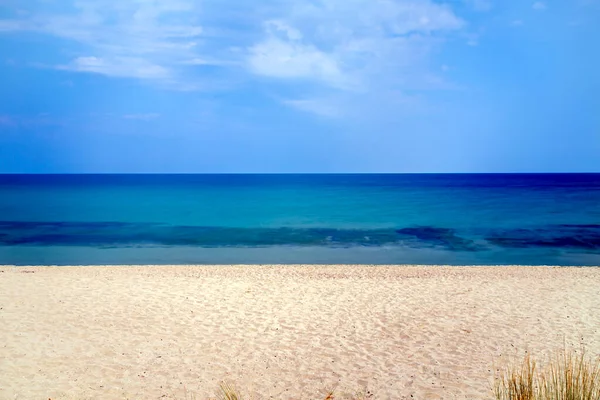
pixel 448 219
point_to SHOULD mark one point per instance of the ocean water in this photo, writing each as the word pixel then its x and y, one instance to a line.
pixel 534 219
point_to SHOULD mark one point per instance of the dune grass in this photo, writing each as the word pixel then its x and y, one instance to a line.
pixel 568 375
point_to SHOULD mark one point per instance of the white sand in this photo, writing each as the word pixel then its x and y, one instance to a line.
pixel 285 332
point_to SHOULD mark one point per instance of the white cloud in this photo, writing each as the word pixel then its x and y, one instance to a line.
pixel 321 47
pixel 349 44
pixel 207 62
pixel 340 19
pixel 142 117
pixel 142 39
pixel 126 67
pixel 375 52
pixel 539 6
pixel 282 54
pixel 283 59
pixel 290 33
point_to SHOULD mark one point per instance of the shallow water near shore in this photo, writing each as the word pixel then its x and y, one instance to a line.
pixel 535 219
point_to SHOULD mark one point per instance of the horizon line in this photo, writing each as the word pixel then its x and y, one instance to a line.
pixel 302 173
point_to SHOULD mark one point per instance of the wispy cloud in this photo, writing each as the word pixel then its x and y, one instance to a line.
pixel 539 6
pixel 8 25
pixel 283 55
pixel 325 107
pixel 142 117
pixel 207 61
pixel 480 5
pixel 354 46
pixel 6 120
pixel 473 40
pixel 41 119
pixel 319 48
pixel 142 39
pixel 131 67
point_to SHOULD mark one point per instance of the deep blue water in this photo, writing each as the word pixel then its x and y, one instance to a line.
pixel 373 218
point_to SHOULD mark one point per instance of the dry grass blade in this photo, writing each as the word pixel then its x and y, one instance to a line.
pixel 329 396
pixel 571 376
pixel 228 392
pixel 568 376
pixel 517 383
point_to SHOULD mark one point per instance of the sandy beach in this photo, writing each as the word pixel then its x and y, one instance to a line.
pixel 283 332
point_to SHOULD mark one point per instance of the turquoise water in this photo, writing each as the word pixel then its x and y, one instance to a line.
pixel 388 218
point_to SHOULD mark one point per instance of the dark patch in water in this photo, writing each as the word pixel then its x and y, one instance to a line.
pixel 443 237
pixel 583 226
pixel 104 234
pixel 585 237
pixel 581 237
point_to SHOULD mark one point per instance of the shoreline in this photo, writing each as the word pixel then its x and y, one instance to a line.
pixel 285 331
pixel 296 265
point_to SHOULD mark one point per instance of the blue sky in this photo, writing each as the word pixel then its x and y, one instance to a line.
pixel 299 86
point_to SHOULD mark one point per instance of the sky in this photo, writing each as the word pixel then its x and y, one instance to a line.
pixel 289 86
